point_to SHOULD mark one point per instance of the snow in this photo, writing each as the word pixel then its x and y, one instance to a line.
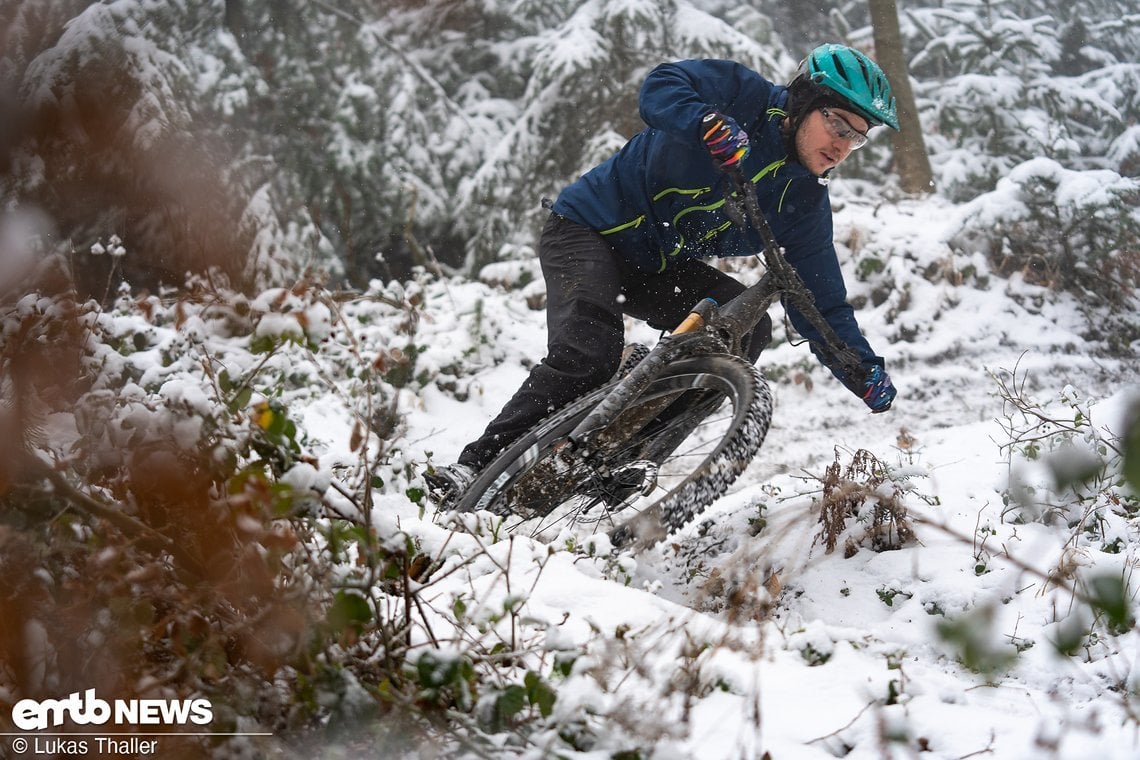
pixel 741 635
pixel 851 656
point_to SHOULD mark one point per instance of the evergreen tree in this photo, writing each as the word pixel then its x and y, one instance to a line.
pixel 1006 82
pixel 259 137
pixel 373 121
pixel 579 101
pixel 120 139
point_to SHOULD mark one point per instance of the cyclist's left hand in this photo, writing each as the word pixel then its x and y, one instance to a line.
pixel 878 390
pixel 725 141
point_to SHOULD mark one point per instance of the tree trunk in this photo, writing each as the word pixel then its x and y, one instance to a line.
pixel 235 18
pixel 910 149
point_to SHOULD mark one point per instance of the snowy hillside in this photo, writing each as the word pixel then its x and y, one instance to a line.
pixel 743 634
pixel 953 578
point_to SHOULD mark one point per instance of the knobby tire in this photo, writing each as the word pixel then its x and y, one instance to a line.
pixel 538 478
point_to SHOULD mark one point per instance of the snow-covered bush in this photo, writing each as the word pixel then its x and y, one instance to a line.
pixel 1000 83
pixel 1066 230
pixel 170 530
pixel 158 523
pixel 1068 464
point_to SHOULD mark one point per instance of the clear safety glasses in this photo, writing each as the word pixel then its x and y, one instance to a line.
pixel 841 128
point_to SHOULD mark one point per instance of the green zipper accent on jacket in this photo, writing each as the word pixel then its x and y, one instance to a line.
pixel 696 192
pixel 691 209
pixel 771 168
pixel 680 245
pixel 717 230
pixel 635 223
pixel 780 205
pixel 666 256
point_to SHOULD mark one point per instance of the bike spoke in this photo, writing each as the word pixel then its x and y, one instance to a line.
pixel 659 462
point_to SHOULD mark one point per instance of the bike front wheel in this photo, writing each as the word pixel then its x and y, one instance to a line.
pixel 670 453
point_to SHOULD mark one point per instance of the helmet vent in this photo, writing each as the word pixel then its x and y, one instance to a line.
pixel 839 67
pixel 867 75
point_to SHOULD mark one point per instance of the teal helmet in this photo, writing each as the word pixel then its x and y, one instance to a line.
pixel 856 79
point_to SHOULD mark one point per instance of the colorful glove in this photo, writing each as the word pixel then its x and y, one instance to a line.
pixel 878 390
pixel 725 141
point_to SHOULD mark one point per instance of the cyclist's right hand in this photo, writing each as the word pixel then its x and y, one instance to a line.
pixel 725 141
pixel 878 390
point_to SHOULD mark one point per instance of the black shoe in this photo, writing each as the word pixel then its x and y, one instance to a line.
pixel 447 484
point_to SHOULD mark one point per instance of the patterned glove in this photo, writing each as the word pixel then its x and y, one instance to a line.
pixel 878 390
pixel 725 141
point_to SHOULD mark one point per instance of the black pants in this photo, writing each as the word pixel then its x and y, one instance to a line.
pixel 587 290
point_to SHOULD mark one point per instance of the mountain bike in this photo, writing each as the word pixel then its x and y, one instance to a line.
pixel 641 456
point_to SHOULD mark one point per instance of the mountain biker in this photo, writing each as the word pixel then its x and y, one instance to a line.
pixel 629 235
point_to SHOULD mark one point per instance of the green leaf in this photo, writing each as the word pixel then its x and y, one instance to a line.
pixel 1070 635
pixel 1131 442
pixel 349 611
pixel 539 693
pixel 510 703
pixel 979 645
pixel 276 422
pixel 1072 465
pixel 431 671
pixel 264 344
pixel 1108 594
pixel 241 400
pixel 564 664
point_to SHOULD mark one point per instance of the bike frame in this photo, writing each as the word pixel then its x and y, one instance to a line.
pixel 710 328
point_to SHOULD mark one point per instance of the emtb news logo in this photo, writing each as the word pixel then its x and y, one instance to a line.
pixel 89 710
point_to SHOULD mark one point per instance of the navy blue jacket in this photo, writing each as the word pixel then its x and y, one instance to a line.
pixel 660 198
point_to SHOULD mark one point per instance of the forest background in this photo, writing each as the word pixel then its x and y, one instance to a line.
pixel 364 138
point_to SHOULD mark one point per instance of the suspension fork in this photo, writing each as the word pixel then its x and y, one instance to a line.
pixel 586 435
pixel 740 316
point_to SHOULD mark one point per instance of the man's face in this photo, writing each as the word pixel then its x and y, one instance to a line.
pixel 827 136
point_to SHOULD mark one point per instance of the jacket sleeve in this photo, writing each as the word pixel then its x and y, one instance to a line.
pixel 675 96
pixel 818 266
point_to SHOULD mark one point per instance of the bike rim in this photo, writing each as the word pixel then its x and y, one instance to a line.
pixel 606 505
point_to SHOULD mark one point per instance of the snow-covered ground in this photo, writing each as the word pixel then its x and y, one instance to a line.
pixel 743 635
pixel 951 620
